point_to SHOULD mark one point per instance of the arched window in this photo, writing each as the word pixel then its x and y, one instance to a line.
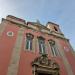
pixel 54 48
pixel 29 39
pixel 55 28
pixel 41 41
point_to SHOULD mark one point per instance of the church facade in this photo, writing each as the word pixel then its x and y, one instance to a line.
pixel 30 48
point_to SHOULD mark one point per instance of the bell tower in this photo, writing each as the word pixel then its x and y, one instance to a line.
pixel 54 28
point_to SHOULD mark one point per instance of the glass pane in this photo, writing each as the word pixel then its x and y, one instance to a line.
pixel 41 46
pixel 29 44
pixel 54 50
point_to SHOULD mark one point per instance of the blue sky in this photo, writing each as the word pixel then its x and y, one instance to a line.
pixel 61 12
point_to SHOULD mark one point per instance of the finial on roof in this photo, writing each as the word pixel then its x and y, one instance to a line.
pixel 38 21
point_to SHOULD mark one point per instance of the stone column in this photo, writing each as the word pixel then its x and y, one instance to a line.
pixel 34 44
pixel 2 27
pixel 15 57
pixel 65 61
pixel 70 47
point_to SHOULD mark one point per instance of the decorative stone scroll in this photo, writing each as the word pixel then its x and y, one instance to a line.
pixel 44 65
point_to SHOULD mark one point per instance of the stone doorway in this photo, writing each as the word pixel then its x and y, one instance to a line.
pixel 43 74
pixel 44 66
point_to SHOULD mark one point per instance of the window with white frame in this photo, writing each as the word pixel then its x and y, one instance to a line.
pixel 41 41
pixel 29 41
pixel 54 48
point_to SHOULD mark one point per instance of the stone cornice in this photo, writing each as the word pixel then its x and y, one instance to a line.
pixel 15 18
pixel 25 25
pixel 52 23
pixel 38 25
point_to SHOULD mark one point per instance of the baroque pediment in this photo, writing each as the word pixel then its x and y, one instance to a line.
pixel 43 61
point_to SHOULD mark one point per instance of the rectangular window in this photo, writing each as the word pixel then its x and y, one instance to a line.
pixel 29 44
pixel 41 46
pixel 54 51
pixel 29 40
pixel 54 48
